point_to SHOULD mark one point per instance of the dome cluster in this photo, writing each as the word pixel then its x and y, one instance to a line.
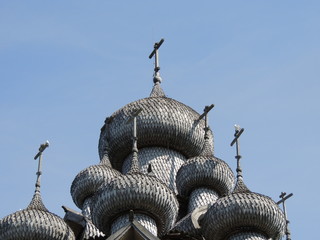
pixel 168 132
pixel 177 186
pixel 157 178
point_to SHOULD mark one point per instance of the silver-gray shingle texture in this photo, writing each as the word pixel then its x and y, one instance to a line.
pixel 243 211
pixel 163 122
pixel 205 171
pixel 35 222
pixel 87 182
pixel 165 164
pixel 138 192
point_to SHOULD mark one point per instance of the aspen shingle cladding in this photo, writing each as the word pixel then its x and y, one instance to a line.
pixel 138 192
pixel 87 182
pixel 163 122
pixel 243 212
pixel 205 171
pixel 34 222
pixel 165 164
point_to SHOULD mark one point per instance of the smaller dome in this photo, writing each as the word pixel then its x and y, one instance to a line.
pixel 34 222
pixel 138 192
pixel 87 182
pixel 241 212
pixel 205 171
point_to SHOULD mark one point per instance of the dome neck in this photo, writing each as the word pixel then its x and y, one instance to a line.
pixel 157 91
pixel 241 186
pixel 36 203
pixel 207 150
pixel 135 166
pixel 105 159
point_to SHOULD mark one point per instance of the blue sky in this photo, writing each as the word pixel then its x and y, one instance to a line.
pixel 67 65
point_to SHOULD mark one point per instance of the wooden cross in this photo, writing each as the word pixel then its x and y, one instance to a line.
pixel 284 197
pixel 156 60
pixel 39 156
pixel 237 134
pixel 204 115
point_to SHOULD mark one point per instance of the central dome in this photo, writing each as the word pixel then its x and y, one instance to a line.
pixel 163 122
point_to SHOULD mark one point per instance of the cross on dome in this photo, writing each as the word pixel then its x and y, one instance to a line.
pixel 237 134
pixel 284 197
pixel 39 156
pixel 156 76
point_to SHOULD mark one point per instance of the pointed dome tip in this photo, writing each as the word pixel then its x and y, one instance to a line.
pixel 241 186
pixel 157 91
pixel 36 203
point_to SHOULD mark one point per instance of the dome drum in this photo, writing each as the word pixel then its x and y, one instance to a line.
pixel 165 164
pixel 201 197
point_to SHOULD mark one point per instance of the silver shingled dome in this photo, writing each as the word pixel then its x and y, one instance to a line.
pixel 163 122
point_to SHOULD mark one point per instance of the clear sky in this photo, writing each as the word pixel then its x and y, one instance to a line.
pixel 67 65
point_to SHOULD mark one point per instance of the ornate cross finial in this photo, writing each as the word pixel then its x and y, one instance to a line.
pixel 284 197
pixel 39 155
pixel 206 149
pixel 205 114
pixel 237 134
pixel 135 163
pixel 156 76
